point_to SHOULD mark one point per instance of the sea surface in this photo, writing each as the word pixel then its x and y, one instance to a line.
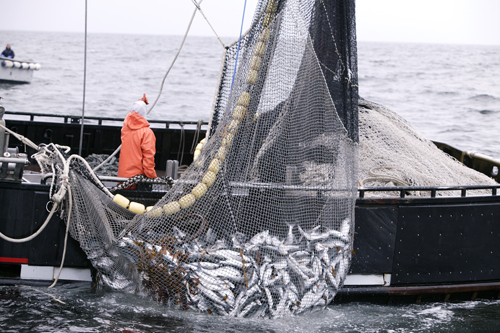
pixel 449 93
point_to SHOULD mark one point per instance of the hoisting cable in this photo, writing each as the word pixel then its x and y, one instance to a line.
pixel 175 58
pixel 162 82
pixel 239 44
pixel 84 83
pixel 206 19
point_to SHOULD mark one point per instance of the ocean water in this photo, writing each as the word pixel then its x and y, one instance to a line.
pixel 450 93
pixel 78 308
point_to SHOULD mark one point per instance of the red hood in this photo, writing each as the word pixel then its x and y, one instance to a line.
pixel 134 121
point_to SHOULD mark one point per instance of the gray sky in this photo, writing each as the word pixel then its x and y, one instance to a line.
pixel 422 21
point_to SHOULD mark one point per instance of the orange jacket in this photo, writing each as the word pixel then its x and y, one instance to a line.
pixel 137 156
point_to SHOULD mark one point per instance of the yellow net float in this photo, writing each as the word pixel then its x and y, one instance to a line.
pixel 233 125
pixel 244 99
pixel 221 153
pixel 252 76
pixel 228 140
pixel 214 165
pixel 267 19
pixel 260 48
pixel 271 6
pixel 209 178
pixel 121 200
pixel 239 112
pixel 198 149
pixel 255 63
pixel 136 207
pixel 156 212
pixel 126 203
pixel 199 190
pixel 265 35
pixel 187 200
pixel 171 208
pixel 196 154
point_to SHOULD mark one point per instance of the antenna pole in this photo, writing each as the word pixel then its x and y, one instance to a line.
pixel 84 84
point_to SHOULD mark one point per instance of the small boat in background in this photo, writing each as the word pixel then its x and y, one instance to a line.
pixel 17 71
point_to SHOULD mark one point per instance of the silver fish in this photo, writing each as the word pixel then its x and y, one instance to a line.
pixel 235 255
pixel 218 245
pixel 280 264
pixel 272 240
pixel 295 267
pixel 210 236
pixel 211 282
pixel 259 238
pixel 227 296
pixel 260 312
pixel 263 269
pixel 254 279
pixel 309 299
pixel 229 273
pixel 284 300
pixel 285 276
pixel 247 309
pixel 290 239
pixel 203 304
pixel 269 298
pixel 266 277
pixel 178 233
pixel 211 295
pixel 331 280
pixel 345 227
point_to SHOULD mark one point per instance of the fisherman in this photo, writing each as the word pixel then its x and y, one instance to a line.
pixel 8 53
pixel 137 156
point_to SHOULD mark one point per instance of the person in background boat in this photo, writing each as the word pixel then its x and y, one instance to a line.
pixel 8 53
pixel 137 155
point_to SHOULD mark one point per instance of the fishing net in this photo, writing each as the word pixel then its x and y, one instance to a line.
pixel 392 153
pixel 260 225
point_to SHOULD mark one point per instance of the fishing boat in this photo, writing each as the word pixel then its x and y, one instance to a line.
pixel 272 218
pixel 407 248
pixel 17 71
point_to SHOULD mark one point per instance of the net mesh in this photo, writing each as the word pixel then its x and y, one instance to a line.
pixel 260 225
pixel 392 153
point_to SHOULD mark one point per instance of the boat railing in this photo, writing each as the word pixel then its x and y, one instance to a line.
pixel 73 119
pixel 405 191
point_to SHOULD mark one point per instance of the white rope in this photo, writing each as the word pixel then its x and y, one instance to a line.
pixel 175 58
pixel 27 239
pixel 107 160
pixel 53 297
pixel 96 179
pixel 70 198
pixel 21 138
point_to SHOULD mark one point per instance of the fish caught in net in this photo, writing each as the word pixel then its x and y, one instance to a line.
pixel 261 224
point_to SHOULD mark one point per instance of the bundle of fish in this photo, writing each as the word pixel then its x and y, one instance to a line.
pixel 264 277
